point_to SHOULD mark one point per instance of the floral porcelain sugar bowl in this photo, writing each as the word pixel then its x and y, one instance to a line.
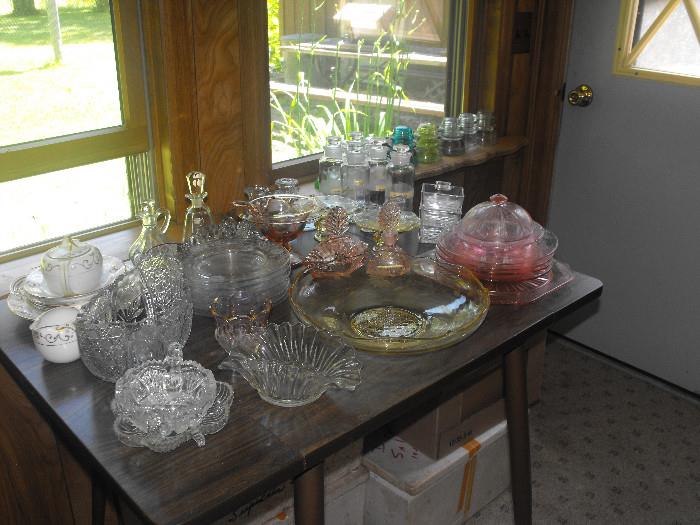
pixel 72 267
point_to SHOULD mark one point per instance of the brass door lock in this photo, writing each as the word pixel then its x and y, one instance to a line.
pixel 581 96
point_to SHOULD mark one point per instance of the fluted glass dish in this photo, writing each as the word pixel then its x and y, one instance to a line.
pixel 424 310
pixel 160 401
pixel 291 364
pixel 135 318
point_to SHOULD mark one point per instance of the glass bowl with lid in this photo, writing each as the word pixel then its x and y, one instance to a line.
pixel 498 240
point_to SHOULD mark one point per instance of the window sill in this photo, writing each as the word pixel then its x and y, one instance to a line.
pixel 305 169
pixel 504 147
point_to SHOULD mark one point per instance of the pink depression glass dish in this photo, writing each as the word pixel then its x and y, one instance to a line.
pixel 511 253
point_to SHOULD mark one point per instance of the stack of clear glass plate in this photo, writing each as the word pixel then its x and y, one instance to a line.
pixel 236 260
pixel 513 255
pixel 30 296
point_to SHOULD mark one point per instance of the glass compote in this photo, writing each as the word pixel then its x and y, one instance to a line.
pixel 282 217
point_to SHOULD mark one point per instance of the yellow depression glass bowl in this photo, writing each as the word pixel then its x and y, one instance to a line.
pixel 425 310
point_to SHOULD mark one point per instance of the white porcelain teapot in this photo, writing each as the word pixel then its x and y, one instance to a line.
pixel 72 267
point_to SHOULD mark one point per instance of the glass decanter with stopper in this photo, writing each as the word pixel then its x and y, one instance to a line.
pixel 387 259
pixel 198 215
pixel 154 224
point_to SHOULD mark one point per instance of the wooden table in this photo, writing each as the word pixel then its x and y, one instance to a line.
pixel 263 445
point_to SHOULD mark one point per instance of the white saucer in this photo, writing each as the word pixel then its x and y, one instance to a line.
pixel 36 291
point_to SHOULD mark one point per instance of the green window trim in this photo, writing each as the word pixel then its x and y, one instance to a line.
pixel 53 154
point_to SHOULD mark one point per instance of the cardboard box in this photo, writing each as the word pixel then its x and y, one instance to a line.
pixel 406 487
pixel 469 413
pixel 345 481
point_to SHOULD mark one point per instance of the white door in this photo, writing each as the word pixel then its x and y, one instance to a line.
pixel 625 204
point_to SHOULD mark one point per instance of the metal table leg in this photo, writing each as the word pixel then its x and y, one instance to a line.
pixel 308 497
pixel 515 380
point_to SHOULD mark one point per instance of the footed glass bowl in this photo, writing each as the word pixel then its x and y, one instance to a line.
pixel 424 310
pixel 291 364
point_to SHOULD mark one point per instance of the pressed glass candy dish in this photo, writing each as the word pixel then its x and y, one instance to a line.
pixel 162 403
pixel 131 320
pixel 424 310
pixel 291 364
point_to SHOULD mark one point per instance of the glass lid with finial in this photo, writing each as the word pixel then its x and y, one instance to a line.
pixel 498 240
pixel 498 221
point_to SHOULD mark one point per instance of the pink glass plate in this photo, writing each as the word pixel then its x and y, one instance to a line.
pixel 524 292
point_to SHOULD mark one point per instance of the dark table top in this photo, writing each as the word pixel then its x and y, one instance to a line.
pixel 262 445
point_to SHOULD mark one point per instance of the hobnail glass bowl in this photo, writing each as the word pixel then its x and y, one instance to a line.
pixel 291 364
pixel 425 309
pixel 136 317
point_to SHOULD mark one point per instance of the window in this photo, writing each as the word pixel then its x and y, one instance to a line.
pixel 74 144
pixel 344 66
pixel 660 39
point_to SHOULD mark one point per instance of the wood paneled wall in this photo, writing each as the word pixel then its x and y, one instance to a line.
pixel 522 48
pixel 207 64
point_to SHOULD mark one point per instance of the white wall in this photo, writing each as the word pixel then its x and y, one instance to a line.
pixel 626 206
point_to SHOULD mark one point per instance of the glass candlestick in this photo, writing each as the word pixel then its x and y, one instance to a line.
pixel 198 215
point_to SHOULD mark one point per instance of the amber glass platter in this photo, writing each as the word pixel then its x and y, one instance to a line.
pixel 425 310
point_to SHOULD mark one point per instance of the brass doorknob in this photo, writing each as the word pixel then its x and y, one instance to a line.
pixel 581 96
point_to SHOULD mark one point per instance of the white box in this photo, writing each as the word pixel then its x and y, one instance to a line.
pixel 345 482
pixel 406 487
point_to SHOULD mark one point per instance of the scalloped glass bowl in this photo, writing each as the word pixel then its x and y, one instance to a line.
pixel 291 364
pixel 214 420
pixel 424 310
pixel 161 404
pixel 165 397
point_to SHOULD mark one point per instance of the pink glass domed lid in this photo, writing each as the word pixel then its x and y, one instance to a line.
pixel 498 222
pixel 498 237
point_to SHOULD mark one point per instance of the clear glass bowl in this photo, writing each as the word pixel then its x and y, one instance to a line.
pixel 214 420
pixel 166 396
pixel 294 364
pixel 135 318
pixel 424 310
pixel 159 401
